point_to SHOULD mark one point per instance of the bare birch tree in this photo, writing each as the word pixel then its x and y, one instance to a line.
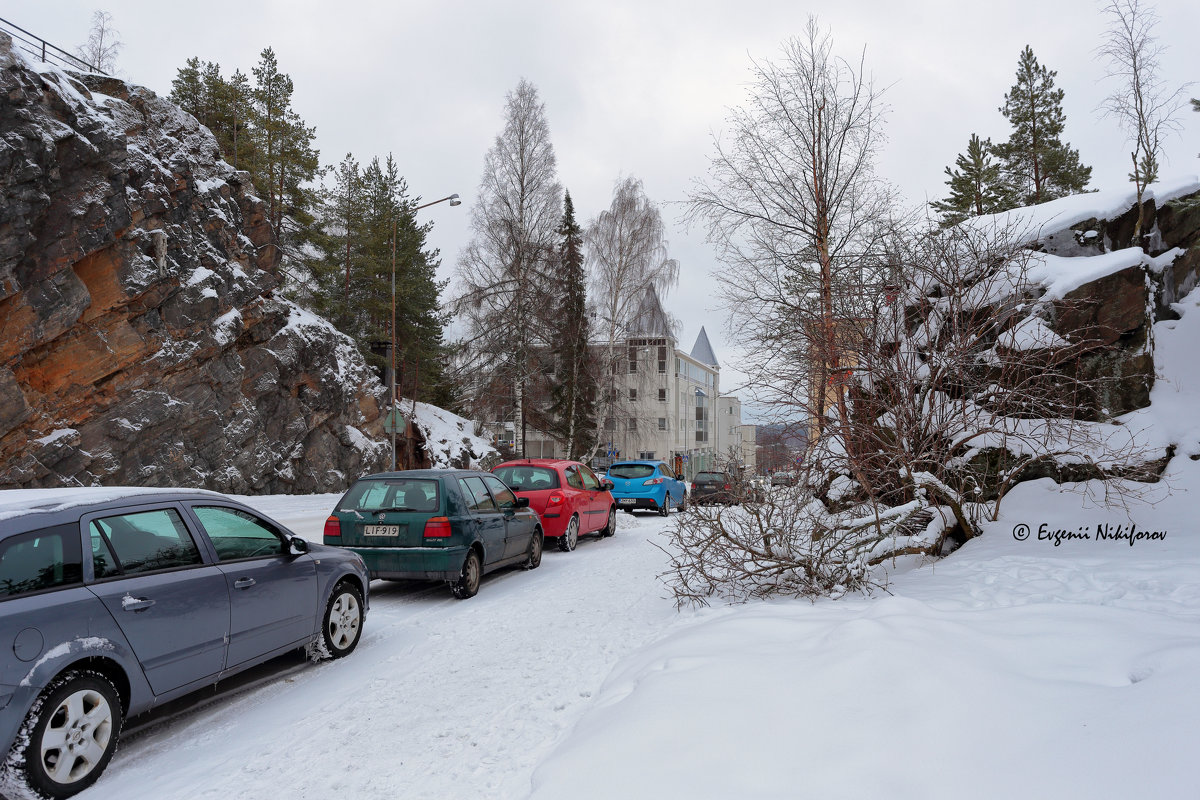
pixel 103 43
pixel 794 208
pixel 503 271
pixel 960 386
pixel 628 254
pixel 1142 103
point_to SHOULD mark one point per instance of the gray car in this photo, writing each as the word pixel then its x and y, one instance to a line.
pixel 113 601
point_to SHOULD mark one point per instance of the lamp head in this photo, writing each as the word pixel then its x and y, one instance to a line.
pixel 454 200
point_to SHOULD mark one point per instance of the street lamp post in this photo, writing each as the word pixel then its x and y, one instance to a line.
pixel 454 201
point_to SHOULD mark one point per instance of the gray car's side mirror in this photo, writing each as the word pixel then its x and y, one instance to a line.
pixel 297 546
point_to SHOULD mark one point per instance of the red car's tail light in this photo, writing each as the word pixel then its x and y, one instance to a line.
pixel 333 527
pixel 652 482
pixel 555 497
pixel 437 528
pixel 727 486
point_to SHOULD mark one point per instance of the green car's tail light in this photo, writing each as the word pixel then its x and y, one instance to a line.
pixel 333 527
pixel 437 528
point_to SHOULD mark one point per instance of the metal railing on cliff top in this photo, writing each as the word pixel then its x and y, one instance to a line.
pixel 39 48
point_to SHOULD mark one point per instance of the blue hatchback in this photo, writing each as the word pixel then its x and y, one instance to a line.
pixel 649 485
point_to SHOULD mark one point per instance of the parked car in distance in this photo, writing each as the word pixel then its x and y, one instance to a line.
pixel 645 484
pixel 783 479
pixel 436 524
pixel 120 599
pixel 567 495
pixel 715 487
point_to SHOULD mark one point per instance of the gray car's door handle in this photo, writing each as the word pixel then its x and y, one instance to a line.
pixel 136 603
pixel 243 583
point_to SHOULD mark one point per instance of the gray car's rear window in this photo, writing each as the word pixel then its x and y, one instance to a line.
pixel 44 559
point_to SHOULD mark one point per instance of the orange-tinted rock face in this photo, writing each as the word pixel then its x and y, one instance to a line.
pixel 140 338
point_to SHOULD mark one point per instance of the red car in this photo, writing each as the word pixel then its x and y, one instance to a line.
pixel 567 495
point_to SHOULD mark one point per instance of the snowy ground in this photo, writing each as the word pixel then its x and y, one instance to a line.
pixel 442 699
pixel 1014 668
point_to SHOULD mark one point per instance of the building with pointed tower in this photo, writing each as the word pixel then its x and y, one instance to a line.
pixel 658 401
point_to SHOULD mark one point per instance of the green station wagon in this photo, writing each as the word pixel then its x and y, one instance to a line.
pixel 436 524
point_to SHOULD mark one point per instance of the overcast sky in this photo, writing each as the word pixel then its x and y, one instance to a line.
pixel 631 87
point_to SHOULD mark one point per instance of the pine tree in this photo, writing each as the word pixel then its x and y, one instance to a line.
pixel 977 185
pixel 241 111
pixel 284 162
pixel 187 91
pixel 572 417
pixel 1038 164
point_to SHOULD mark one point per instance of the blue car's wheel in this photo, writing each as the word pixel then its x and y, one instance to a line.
pixel 665 508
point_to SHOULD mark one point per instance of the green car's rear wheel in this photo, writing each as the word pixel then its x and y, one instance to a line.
pixel 467 584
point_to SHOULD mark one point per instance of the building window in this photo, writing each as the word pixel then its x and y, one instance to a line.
pixel 632 424
pixel 662 423
pixel 633 395
pixel 648 455
pixel 609 424
pixel 632 360
pixel 662 395
pixel 662 360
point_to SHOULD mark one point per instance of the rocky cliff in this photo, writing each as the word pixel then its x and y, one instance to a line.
pixel 141 339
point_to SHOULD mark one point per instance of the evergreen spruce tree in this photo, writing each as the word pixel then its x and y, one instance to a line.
pixel 1038 164
pixel 977 185
pixel 352 277
pixel 572 417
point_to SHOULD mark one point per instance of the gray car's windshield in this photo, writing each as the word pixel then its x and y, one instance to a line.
pixel 393 494
pixel 631 471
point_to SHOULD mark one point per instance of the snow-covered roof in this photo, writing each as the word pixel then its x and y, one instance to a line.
pixel 19 502
pixel 702 350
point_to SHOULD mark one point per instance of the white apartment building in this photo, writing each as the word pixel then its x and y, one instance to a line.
pixel 662 402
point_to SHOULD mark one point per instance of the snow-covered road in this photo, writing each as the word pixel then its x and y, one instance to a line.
pixel 443 698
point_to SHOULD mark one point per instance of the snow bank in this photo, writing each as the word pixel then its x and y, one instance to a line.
pixel 1055 656
pixel 1034 222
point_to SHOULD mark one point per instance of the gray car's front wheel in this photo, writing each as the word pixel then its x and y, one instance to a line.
pixel 70 734
pixel 342 626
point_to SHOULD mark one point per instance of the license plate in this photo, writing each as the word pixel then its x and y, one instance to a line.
pixel 626 501
pixel 381 530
